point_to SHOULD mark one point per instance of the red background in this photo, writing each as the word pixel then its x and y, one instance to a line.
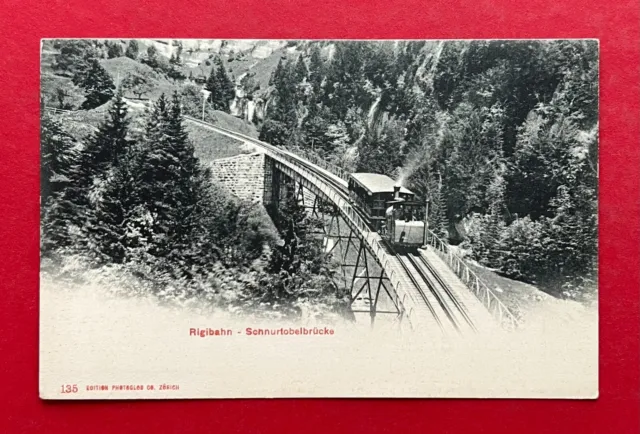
pixel 614 23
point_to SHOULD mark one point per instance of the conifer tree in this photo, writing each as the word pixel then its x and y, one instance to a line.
pixel 221 87
pixel 106 180
pixel 496 225
pixel 300 71
pixel 316 71
pixel 58 157
pixel 274 132
pixel 114 49
pixel 314 130
pixel 107 146
pixel 152 56
pixel 179 53
pixel 226 86
pixel 213 86
pixel 74 55
pixel 438 221
pixel 96 82
pixel 58 195
pixel 171 185
pixel 197 207
pixel 109 224
pixel 153 174
pixel 277 73
pixel 132 50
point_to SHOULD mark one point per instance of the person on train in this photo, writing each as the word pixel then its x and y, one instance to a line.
pixel 383 228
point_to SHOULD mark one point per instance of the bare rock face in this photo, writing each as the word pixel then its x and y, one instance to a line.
pixel 266 49
pixel 248 109
pixel 255 48
pixel 195 52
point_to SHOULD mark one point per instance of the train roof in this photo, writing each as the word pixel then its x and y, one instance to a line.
pixel 377 183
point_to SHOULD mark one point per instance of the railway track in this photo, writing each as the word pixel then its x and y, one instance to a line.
pixel 420 288
pixel 444 305
pixel 446 295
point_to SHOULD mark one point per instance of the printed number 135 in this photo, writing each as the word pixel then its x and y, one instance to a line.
pixel 69 388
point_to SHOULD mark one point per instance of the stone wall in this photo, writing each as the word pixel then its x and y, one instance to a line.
pixel 242 175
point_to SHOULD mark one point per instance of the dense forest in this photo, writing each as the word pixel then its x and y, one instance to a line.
pixel 133 208
pixel 500 136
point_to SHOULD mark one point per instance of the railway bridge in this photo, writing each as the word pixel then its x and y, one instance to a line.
pixel 429 290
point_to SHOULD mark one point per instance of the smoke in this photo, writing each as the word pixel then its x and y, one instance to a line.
pixel 414 162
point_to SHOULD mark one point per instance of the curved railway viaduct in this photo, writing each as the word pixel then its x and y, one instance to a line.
pixel 427 291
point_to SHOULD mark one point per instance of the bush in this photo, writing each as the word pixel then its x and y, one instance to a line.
pixel 545 252
pixel 523 250
pixel 274 132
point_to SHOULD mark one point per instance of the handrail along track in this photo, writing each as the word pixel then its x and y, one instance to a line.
pixel 491 302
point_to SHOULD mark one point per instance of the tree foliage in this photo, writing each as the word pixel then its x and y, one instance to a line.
pixel 114 49
pixel 132 49
pixel 58 172
pixel 96 82
pixel 493 133
pixel 74 54
pixel 143 204
pixel 152 57
pixel 221 87
pixel 139 82
pixel 299 271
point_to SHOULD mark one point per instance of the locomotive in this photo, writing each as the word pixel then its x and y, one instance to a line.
pixel 389 208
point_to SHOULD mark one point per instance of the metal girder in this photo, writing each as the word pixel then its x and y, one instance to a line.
pixel 347 240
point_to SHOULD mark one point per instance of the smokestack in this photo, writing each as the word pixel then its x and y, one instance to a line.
pixel 396 191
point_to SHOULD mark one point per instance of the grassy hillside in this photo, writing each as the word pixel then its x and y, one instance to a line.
pixel 81 123
pixel 527 302
pixel 119 67
pixel 225 120
pixel 210 145
pixel 237 66
pixel 263 69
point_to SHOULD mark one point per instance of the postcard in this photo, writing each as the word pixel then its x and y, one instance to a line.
pixel 318 218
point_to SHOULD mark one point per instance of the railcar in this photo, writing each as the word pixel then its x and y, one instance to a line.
pixel 389 208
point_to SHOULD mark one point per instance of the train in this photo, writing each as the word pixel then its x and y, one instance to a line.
pixel 389 208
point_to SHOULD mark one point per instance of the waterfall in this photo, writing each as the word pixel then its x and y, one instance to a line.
pixel 374 114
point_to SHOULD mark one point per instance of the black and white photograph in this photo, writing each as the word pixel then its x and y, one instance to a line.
pixel 318 218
